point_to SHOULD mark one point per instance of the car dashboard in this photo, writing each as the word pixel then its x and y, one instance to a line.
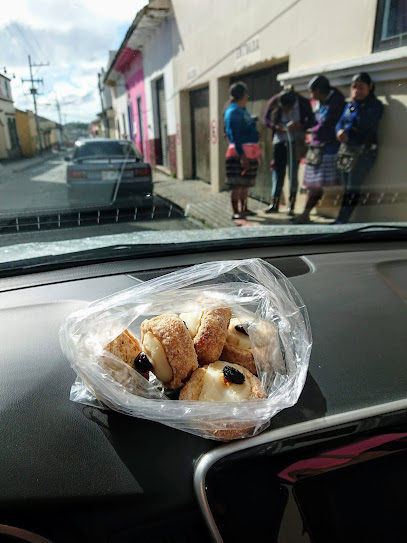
pixel 73 472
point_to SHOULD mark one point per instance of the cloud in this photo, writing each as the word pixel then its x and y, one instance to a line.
pixel 42 14
pixel 75 37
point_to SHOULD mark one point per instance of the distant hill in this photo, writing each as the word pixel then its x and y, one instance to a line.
pixel 73 131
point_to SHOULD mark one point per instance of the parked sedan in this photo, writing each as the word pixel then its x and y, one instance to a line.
pixel 104 171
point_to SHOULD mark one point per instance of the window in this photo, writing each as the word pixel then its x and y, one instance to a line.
pixel 7 89
pixel 391 24
pixel 12 128
pixel 106 149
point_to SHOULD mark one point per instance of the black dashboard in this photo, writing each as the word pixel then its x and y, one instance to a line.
pixel 75 473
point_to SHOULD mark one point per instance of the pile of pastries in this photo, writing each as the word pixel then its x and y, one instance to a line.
pixel 207 355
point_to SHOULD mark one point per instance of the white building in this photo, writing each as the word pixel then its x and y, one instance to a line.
pixel 108 117
pixel 267 43
pixel 152 39
pixel 123 123
pixel 9 142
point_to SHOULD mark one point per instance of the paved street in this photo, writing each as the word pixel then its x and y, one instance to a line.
pixel 41 187
pixel 34 207
pixel 38 186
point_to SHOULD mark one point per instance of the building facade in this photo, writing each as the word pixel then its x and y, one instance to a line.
pixel 145 62
pixel 278 43
pixel 27 132
pixel 108 116
pixel 115 81
pixel 51 133
pixel 9 141
pixel 189 53
pixel 130 65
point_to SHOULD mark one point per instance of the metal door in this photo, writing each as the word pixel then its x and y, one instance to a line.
pixel 199 100
pixel 140 123
pixel 162 122
pixel 262 86
pixel 131 121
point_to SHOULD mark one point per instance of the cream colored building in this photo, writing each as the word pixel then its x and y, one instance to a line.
pixel 269 43
pixel 9 142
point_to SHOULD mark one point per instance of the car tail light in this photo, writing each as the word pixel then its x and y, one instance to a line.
pixel 142 172
pixel 76 175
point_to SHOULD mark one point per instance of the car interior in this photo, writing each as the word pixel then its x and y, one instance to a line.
pixel 77 473
pixel 203 271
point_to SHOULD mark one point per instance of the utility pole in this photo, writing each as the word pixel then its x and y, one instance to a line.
pixel 104 115
pixel 34 92
pixel 60 119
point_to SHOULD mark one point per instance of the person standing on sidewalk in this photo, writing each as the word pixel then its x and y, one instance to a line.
pixel 357 133
pixel 320 169
pixel 288 115
pixel 243 152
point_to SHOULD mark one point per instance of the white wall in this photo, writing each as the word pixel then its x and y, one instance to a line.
pixel 119 102
pixel 309 33
pixel 157 62
pixel 6 108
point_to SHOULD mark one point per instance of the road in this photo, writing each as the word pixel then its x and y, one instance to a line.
pixel 42 186
pixel 41 189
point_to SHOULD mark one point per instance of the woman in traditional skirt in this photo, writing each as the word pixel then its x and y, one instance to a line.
pixel 358 128
pixel 329 106
pixel 243 152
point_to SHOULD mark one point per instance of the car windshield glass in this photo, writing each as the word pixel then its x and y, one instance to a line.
pixel 177 124
pixel 105 148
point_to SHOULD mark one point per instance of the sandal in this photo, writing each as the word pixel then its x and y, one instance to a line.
pixel 300 219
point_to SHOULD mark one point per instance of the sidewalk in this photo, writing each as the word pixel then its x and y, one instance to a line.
pixel 214 210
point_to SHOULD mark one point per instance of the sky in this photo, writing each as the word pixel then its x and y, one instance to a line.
pixel 74 37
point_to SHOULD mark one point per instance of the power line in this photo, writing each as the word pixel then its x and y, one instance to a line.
pixel 28 44
pixel 40 49
pixel 17 27
pixel 78 99
pixel 14 36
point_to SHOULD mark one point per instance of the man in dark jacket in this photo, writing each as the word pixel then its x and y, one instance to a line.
pixel 288 115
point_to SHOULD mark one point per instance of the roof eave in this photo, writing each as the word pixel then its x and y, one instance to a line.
pixel 110 76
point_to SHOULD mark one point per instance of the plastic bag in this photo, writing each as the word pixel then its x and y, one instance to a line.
pixel 253 289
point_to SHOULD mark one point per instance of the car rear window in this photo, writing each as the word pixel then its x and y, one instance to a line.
pixel 106 148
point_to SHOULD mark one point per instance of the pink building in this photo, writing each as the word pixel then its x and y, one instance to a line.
pixel 95 128
pixel 141 78
pixel 130 64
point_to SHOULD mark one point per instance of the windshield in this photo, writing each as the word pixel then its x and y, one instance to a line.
pixel 102 149
pixel 164 122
